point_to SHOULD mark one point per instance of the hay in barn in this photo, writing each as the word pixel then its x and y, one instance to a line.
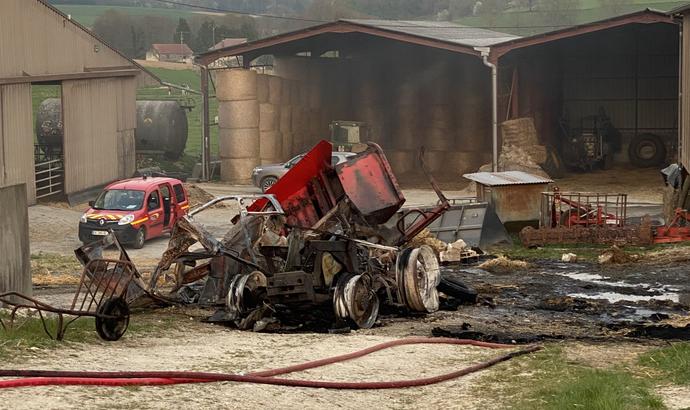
pixel 262 88
pixel 269 115
pixel 270 146
pixel 238 143
pixel 238 114
pixel 238 171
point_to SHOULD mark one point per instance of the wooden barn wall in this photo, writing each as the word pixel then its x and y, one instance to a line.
pixel 35 40
pixel 17 138
pixel 685 138
pixel 99 121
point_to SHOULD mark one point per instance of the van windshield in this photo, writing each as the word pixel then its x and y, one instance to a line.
pixel 120 200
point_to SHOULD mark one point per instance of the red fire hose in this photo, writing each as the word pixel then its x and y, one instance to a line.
pixel 157 378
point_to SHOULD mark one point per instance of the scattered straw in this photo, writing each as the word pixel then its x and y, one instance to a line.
pixel 504 265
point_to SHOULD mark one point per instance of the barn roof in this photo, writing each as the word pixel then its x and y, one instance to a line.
pixel 443 35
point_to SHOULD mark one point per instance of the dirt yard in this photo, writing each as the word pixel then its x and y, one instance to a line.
pixel 586 315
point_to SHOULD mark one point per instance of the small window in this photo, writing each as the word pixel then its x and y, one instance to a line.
pixel 179 193
pixel 165 191
pixel 153 202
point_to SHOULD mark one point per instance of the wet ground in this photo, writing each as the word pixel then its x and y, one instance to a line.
pixel 556 300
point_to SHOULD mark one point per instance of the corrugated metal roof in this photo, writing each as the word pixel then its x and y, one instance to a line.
pixel 439 30
pixel 506 178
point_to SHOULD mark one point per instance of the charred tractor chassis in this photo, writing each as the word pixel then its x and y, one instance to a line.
pixel 323 242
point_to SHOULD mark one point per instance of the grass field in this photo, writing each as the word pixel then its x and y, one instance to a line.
pixel 86 15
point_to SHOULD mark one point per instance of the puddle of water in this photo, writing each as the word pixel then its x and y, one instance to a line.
pixel 614 297
pixel 603 280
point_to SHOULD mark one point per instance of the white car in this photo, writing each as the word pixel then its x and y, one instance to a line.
pixel 265 176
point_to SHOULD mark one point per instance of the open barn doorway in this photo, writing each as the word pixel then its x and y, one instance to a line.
pixel 48 141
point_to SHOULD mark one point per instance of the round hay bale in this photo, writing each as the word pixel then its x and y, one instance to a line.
pixel 405 139
pixel 440 116
pixel 268 117
pixel 238 143
pixel 314 97
pixel 285 96
pixel 287 151
pixel 238 114
pixel 470 142
pixel 295 93
pixel 402 162
pixel 438 139
pixel 275 89
pixel 270 146
pixel 462 162
pixel 408 93
pixel 285 125
pixel 408 117
pixel 238 171
pixel 435 160
pixel 262 88
pixel 236 85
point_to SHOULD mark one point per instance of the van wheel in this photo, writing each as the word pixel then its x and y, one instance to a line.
pixel 267 183
pixel 140 239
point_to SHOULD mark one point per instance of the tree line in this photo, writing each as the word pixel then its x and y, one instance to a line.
pixel 134 35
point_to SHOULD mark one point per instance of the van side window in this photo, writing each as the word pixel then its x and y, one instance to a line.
pixel 153 202
pixel 179 193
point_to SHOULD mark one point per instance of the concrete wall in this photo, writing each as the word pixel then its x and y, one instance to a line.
pixel 15 269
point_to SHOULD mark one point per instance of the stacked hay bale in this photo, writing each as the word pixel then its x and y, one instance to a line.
pixel 520 150
pixel 238 118
pixel 368 100
pixel 285 121
pixel 405 136
pixel 271 142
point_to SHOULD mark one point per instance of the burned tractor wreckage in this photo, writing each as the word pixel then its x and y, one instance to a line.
pixel 324 241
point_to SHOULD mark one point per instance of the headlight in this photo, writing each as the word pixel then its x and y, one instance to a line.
pixel 83 219
pixel 126 220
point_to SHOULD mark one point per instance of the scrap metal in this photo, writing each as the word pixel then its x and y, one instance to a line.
pixel 104 289
pixel 322 239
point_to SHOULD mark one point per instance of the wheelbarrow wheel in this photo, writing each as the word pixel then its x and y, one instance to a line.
pixel 112 319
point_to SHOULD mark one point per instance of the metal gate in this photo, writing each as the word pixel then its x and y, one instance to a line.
pixel 50 172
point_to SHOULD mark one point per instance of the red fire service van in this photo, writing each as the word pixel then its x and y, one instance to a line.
pixel 135 209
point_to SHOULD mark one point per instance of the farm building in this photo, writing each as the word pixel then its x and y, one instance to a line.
pixel 684 13
pixel 39 45
pixel 430 83
pixel 171 53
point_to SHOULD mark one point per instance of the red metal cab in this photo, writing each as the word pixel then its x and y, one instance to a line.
pixel 135 209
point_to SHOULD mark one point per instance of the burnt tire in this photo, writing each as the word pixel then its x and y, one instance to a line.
pixel 647 150
pixel 457 289
pixel 139 239
pixel 112 319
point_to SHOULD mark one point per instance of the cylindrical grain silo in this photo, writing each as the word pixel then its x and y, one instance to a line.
pixel 239 121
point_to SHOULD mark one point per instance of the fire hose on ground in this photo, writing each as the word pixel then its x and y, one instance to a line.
pixel 28 378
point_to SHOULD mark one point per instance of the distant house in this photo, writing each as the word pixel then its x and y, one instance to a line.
pixel 230 61
pixel 172 53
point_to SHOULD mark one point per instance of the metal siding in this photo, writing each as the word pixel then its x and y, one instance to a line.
pixel 91 137
pixel 685 153
pixel 36 40
pixel 17 137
